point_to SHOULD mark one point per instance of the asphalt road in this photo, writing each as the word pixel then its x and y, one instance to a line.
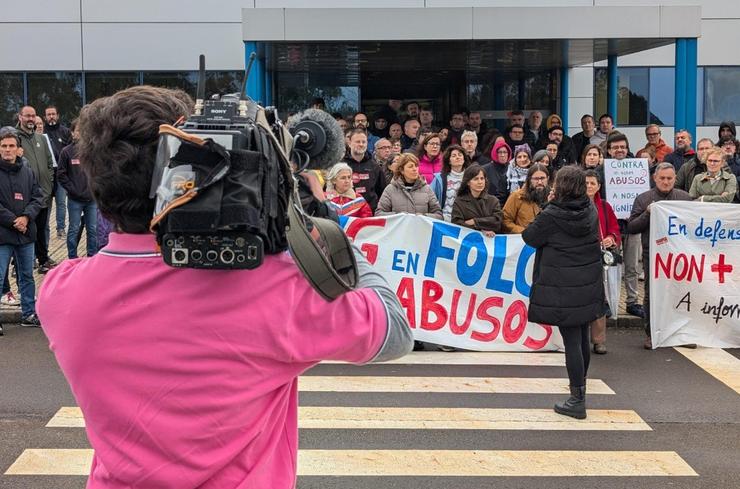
pixel 688 411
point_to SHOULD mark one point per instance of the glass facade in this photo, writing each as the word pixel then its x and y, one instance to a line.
pixel 722 90
pixel 69 91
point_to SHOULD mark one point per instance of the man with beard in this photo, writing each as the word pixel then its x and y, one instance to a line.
pixel 566 153
pixel 380 125
pixel 524 204
pixel 683 152
pixel 412 110
pixel 40 159
pixel 685 175
pixel 470 145
pixel 359 121
pixel 583 138
pixel 384 156
pixel 367 177
pixel 457 126
pixel 59 137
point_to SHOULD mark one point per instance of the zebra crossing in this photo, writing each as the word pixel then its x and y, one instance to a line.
pixel 343 386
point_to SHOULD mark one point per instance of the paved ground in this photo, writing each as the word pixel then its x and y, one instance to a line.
pixel 682 421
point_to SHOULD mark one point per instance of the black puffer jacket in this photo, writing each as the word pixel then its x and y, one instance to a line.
pixel 20 195
pixel 568 288
pixel 71 177
pixel 498 185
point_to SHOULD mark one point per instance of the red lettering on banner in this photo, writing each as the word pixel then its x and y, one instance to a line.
pixel 533 344
pixel 370 249
pixel 405 294
pixel 483 315
pixel 517 308
pixel 431 293
pixel 461 328
pixel 680 267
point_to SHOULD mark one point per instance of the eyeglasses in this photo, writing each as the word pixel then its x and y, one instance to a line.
pixel 385 147
pixel 653 134
pixel 432 144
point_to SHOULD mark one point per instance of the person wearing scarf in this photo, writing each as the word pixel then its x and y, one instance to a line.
pixel 518 167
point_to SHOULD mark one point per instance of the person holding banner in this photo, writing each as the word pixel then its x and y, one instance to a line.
pixel 639 222
pixel 567 283
pixel 717 184
pixel 408 192
pixel 474 207
pixel 611 239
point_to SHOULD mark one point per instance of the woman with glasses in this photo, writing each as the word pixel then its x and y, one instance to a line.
pixel 429 155
pixel 717 184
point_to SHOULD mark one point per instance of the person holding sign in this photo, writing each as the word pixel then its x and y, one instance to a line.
pixel 474 207
pixel 717 184
pixel 611 239
pixel 639 222
pixel 567 284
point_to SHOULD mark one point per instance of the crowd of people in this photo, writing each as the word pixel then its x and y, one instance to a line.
pixel 401 161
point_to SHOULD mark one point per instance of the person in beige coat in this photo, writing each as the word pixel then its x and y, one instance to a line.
pixel 408 192
pixel 717 184
pixel 524 204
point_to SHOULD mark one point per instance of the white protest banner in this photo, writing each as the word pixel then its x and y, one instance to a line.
pixel 458 287
pixel 695 274
pixel 625 179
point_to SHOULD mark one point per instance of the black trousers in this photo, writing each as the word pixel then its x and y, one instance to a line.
pixel 42 239
pixel 646 295
pixel 577 353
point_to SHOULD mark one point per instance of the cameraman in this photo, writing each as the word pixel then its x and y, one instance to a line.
pixel 188 377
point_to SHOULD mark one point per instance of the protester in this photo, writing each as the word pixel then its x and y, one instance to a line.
pixel 446 183
pixel 639 223
pixel 495 161
pixel 395 131
pixel 717 184
pixel 426 119
pixel 457 126
pixel 518 167
pixel 514 136
pixel 592 158
pixel 606 126
pixel 732 159
pixel 408 192
pixel 695 165
pixel 583 138
pixel 40 159
pixel 80 201
pixel 726 130
pixel 542 157
pixel 429 155
pixel 367 176
pixel 380 125
pixel 477 126
pixel 683 152
pixel 567 284
pixel 474 207
pixel 383 155
pixel 410 133
pixel 342 196
pixel 654 141
pixel 213 378
pixel 566 154
pixel 470 145
pixel 360 121
pixel 20 202
pixel 59 137
pixel 611 239
pixel 525 204
pixel 534 127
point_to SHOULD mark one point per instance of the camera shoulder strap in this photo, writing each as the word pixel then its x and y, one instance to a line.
pixel 325 258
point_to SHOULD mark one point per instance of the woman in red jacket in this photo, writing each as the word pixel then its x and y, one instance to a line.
pixel 342 196
pixel 610 239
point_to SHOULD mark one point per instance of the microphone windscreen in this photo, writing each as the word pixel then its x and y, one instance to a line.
pixel 333 150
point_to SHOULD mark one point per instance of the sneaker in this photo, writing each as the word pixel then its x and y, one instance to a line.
pixel 44 269
pixel 636 310
pixel 31 320
pixel 9 300
pixel 50 263
pixel 600 348
pixel 60 233
pixel 1 330
pixel 648 345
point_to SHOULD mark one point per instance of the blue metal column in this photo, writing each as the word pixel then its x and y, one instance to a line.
pixel 612 88
pixel 691 92
pixel 256 82
pixel 679 105
pixel 564 96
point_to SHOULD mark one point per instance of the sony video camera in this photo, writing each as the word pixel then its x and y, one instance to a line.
pixel 224 186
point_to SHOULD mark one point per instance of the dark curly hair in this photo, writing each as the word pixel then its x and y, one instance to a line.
pixel 117 148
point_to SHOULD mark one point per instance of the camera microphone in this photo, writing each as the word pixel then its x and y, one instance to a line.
pixel 317 134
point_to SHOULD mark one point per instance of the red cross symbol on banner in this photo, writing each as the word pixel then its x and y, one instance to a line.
pixel 720 268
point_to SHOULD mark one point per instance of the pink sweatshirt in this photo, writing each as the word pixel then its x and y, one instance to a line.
pixel 187 378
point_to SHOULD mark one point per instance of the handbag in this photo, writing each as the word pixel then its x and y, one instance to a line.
pixel 610 257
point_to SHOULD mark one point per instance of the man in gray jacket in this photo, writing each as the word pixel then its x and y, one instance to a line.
pixel 39 157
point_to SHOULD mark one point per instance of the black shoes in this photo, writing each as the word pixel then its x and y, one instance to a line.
pixel 575 405
pixel 32 320
pixel 636 310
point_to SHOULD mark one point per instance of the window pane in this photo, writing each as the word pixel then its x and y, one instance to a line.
pixel 223 82
pixel 538 92
pixel 61 89
pixel 662 90
pixel 722 101
pixel 295 91
pixel 11 97
pixel 600 82
pixel 632 97
pixel 184 80
pixel 104 84
pixel 700 97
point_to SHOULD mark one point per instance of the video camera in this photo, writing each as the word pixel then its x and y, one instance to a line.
pixel 226 193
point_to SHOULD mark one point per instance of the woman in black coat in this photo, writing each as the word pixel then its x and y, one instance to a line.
pixel 568 288
pixel 474 207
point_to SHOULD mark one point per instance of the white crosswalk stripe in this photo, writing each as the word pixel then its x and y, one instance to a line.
pixel 356 461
